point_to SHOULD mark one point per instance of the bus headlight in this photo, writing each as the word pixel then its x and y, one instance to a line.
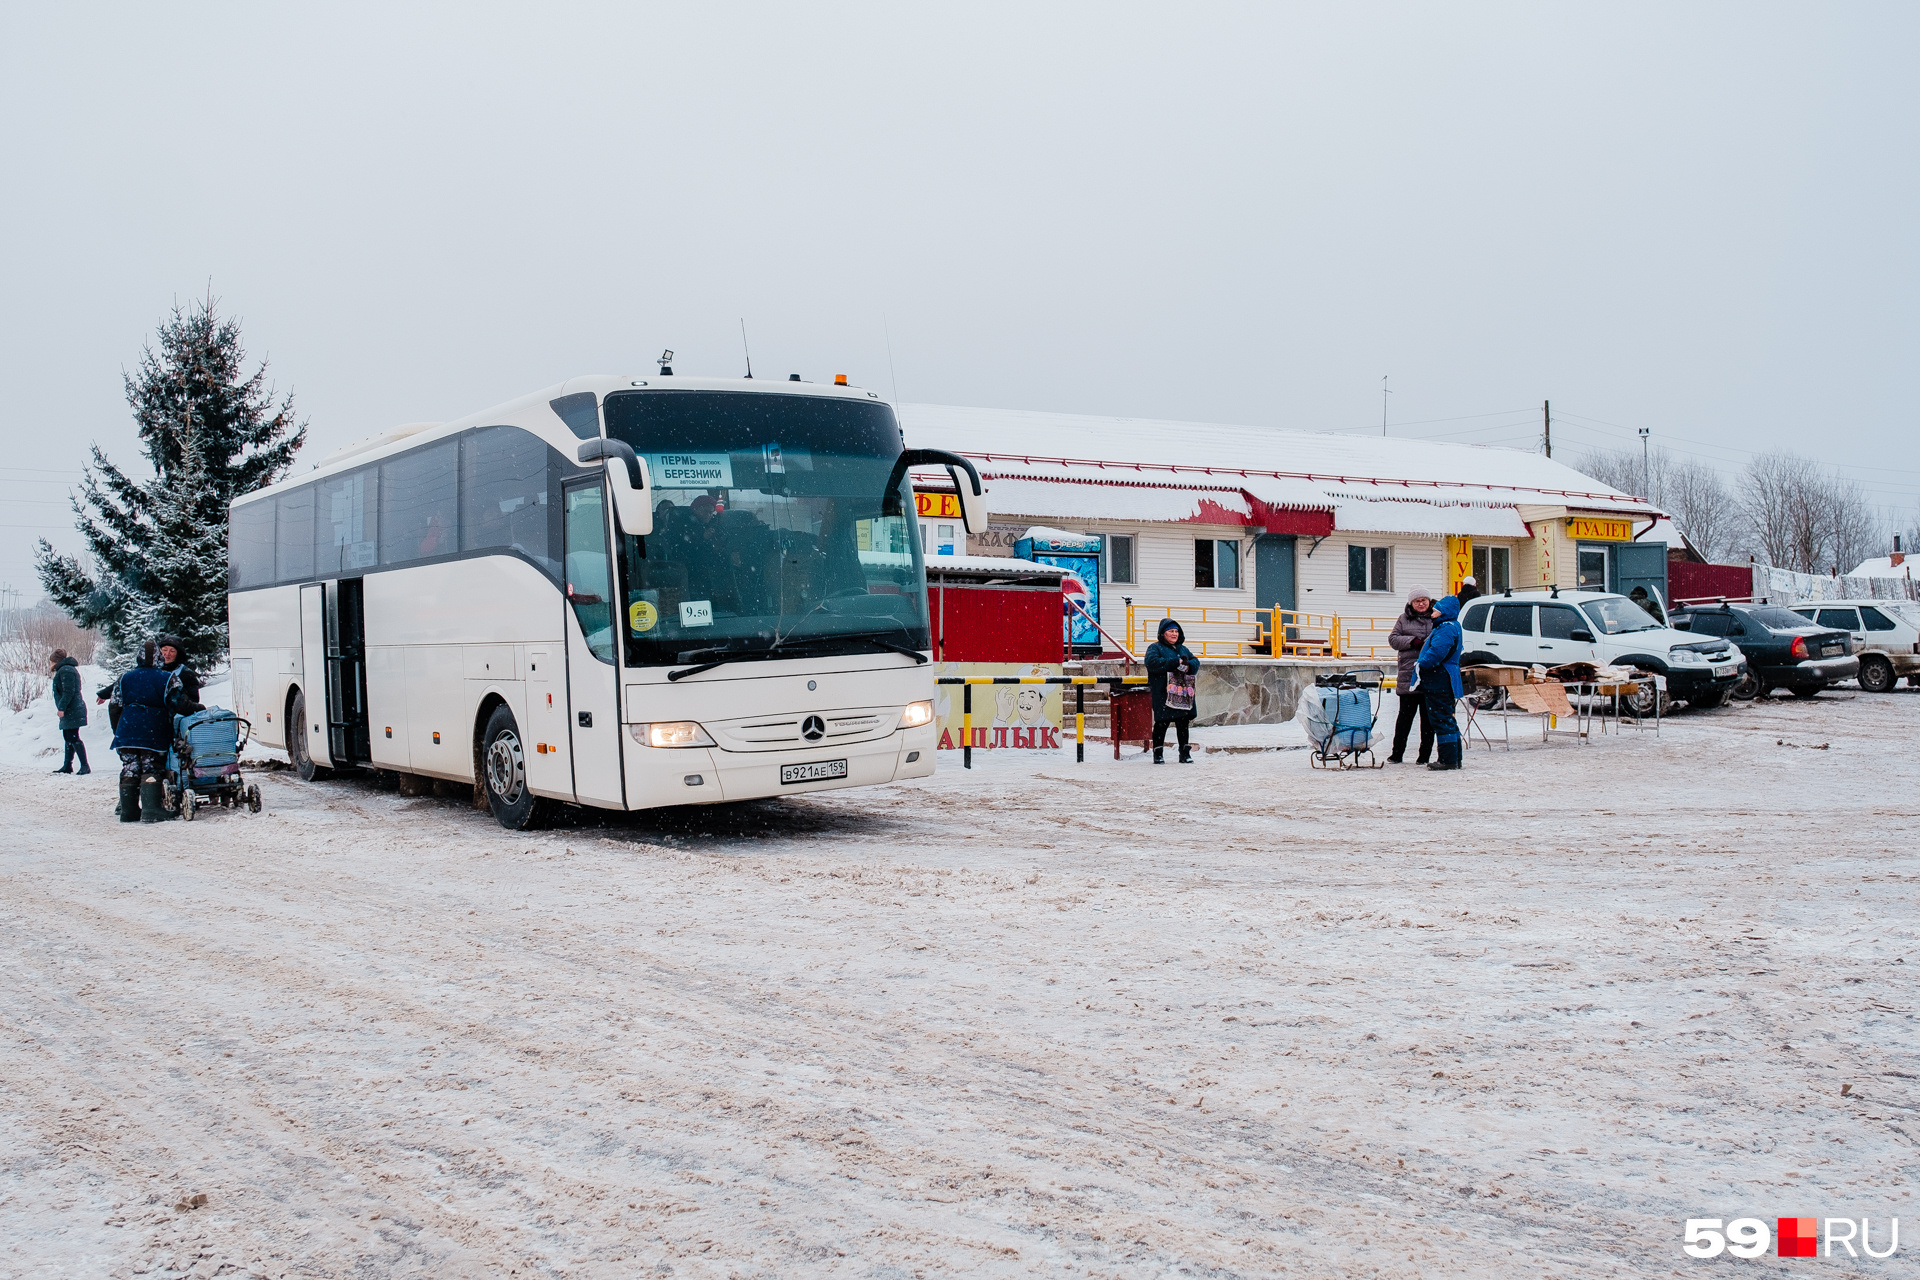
pixel 670 733
pixel 916 714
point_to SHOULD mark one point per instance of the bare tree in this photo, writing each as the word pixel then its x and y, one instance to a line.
pixel 1800 517
pixel 1690 492
pixel 1772 503
pixel 1621 469
pixel 1701 505
pixel 1856 527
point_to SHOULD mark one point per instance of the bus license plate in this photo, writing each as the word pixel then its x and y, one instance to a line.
pixel 1724 669
pixel 818 771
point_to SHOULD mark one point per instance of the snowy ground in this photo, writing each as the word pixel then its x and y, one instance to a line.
pixel 1231 1019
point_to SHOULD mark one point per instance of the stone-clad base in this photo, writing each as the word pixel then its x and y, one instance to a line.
pixel 1248 691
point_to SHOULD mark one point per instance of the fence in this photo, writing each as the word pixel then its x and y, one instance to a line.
pixel 1252 633
pixel 1113 683
pixel 1783 586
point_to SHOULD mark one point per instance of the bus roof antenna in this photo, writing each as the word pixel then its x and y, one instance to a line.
pixel 744 347
pixel 666 364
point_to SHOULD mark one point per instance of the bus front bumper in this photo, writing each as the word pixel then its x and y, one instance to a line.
pixel 665 776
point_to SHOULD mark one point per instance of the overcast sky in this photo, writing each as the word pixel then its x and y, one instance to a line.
pixel 1698 219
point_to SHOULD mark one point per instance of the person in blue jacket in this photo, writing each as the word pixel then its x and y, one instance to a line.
pixel 142 735
pixel 1440 680
pixel 1166 656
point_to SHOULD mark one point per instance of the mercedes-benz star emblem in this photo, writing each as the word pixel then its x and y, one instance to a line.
pixel 813 728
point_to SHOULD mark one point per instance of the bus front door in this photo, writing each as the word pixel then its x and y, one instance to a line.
pixel 593 681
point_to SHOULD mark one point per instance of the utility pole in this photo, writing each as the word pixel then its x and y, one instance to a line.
pixel 1383 405
pixel 1546 424
pixel 1646 471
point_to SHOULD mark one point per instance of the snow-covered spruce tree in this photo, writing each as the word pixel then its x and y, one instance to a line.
pixel 158 547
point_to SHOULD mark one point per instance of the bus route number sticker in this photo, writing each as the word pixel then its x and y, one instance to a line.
pixel 696 613
pixel 641 616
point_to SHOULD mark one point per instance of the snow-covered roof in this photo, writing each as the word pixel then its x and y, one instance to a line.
pixel 1061 499
pixel 1298 469
pixel 1005 565
pixel 1883 567
pixel 1407 515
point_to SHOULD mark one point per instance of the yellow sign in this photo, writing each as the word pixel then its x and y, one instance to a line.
pixel 937 506
pixel 1459 563
pixel 1543 553
pixel 641 616
pixel 1600 530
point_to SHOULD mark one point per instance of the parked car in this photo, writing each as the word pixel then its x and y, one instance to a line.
pixel 1886 637
pixel 1782 648
pixel 1604 628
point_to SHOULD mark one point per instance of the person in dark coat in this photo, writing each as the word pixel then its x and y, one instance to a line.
pixel 142 736
pixel 183 695
pixel 1440 680
pixel 1410 631
pixel 1167 656
pixel 72 708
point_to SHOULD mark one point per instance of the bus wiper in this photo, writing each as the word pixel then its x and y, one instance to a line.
pixel 720 658
pixel 915 654
pixel 815 647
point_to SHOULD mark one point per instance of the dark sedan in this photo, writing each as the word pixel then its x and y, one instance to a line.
pixel 1782 648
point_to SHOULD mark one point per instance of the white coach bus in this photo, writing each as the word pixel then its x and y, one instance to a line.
pixel 616 592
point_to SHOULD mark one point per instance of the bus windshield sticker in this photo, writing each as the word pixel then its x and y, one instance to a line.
pixel 642 615
pixel 778 459
pixel 696 613
pixel 691 470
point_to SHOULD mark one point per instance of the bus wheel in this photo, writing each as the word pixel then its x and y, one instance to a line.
pixel 504 769
pixel 298 752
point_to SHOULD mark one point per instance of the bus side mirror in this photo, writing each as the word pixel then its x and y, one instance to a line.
pixel 627 480
pixel 966 482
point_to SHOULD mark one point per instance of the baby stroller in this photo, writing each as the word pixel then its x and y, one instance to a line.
pixel 203 766
pixel 1339 714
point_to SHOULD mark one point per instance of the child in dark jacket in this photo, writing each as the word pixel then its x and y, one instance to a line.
pixel 1169 660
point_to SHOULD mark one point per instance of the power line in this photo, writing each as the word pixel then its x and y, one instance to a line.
pixel 1419 422
pixel 1749 453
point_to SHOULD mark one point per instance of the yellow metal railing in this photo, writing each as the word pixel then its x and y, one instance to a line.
pixel 1253 633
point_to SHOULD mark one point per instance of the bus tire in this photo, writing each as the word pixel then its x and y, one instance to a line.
pixel 503 775
pixel 299 754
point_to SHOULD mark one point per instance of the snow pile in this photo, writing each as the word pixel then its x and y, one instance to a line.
pixel 32 737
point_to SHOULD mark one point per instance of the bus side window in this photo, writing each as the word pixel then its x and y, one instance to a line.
pixel 503 488
pixel 419 508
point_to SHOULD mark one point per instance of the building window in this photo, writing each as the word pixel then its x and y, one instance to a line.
pixel 1591 565
pixel 1119 557
pixel 1216 563
pixel 1493 569
pixel 1369 568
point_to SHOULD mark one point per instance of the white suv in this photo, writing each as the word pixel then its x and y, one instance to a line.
pixel 1552 626
pixel 1886 635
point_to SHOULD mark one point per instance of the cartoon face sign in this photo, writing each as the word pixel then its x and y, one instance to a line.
pixel 1032 705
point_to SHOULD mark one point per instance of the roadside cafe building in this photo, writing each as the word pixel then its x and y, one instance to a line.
pixel 1276 547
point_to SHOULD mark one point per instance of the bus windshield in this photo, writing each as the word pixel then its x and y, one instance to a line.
pixel 768 537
